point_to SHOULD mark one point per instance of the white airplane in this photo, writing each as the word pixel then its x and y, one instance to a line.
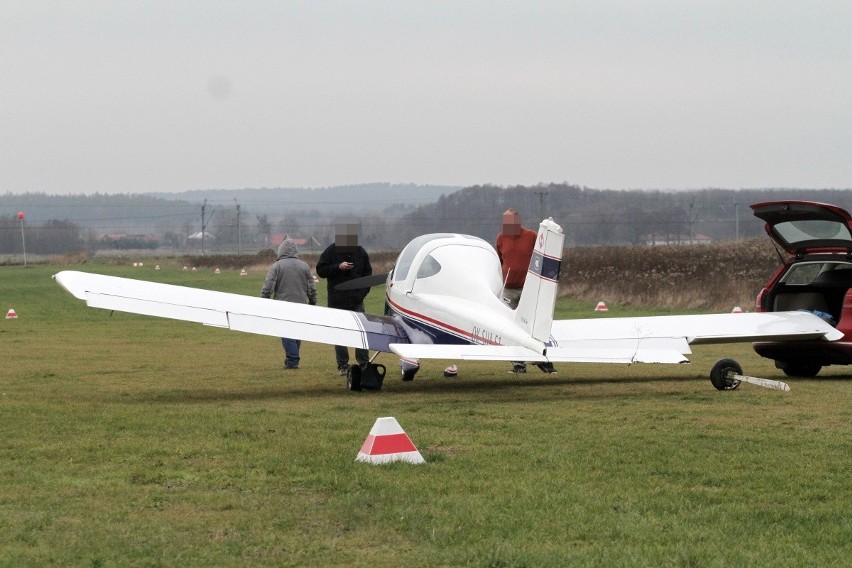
pixel 444 301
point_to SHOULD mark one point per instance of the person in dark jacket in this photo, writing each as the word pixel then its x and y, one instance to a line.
pixel 343 261
pixel 290 280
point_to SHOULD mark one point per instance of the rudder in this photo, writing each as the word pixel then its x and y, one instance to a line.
pixel 538 299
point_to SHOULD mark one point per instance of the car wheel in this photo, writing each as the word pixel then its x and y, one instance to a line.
pixel 720 374
pixel 802 369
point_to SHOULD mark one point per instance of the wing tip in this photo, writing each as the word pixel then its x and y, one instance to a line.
pixel 70 282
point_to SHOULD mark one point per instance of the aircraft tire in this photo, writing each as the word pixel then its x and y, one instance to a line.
pixel 719 374
pixel 409 374
pixel 353 378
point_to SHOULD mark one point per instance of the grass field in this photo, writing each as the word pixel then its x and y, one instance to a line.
pixel 139 441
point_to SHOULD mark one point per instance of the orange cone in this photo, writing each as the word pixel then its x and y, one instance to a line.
pixel 388 442
pixel 601 307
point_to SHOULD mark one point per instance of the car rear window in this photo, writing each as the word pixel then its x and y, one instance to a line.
pixel 804 273
pixel 801 231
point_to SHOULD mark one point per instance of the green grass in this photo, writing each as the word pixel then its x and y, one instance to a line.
pixel 140 441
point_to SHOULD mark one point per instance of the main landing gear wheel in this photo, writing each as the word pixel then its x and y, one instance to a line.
pixel 409 368
pixel 409 374
pixel 369 377
pixel 353 380
pixel 722 374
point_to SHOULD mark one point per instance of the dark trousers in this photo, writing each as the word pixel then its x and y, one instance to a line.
pixel 341 352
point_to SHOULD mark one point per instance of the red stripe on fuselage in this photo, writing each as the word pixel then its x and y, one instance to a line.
pixel 467 335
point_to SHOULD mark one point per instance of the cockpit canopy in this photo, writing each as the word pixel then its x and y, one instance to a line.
pixel 441 263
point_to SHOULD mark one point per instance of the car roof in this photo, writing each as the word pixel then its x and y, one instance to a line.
pixel 802 227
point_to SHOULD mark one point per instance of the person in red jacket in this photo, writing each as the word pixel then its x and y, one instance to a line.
pixel 515 246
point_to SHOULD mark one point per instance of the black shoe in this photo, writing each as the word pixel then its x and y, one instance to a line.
pixel 546 368
pixel 291 367
pixel 519 368
pixel 342 370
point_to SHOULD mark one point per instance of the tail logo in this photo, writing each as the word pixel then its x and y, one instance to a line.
pixel 545 267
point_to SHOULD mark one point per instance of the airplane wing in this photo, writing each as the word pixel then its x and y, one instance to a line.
pixel 233 311
pixel 656 339
pixel 696 329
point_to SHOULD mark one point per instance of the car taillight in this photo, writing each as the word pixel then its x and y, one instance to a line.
pixel 758 304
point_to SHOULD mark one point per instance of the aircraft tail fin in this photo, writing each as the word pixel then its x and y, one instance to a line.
pixel 535 307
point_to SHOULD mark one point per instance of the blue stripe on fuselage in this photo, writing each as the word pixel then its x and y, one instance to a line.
pixel 420 331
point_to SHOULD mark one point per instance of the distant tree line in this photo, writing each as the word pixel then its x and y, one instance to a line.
pixel 52 237
pixel 608 217
pixel 588 217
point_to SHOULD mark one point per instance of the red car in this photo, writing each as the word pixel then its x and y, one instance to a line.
pixel 817 276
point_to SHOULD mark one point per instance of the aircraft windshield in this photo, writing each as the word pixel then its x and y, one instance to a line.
pixel 403 265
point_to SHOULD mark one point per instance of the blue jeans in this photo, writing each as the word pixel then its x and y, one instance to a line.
pixel 291 351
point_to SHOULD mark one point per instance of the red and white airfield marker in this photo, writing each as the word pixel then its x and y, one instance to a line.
pixel 11 314
pixel 387 443
pixel 601 307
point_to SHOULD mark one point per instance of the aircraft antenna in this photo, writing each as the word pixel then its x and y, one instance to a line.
pixel 506 279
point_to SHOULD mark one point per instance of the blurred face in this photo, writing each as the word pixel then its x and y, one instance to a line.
pixel 511 224
pixel 346 236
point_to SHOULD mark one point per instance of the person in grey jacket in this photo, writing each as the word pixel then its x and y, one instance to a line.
pixel 290 280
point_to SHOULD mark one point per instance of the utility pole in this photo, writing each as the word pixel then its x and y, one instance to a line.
pixel 737 220
pixel 691 234
pixel 203 208
pixel 541 195
pixel 239 230
pixel 692 217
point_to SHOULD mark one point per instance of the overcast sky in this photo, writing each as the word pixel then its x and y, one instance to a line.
pixel 118 96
